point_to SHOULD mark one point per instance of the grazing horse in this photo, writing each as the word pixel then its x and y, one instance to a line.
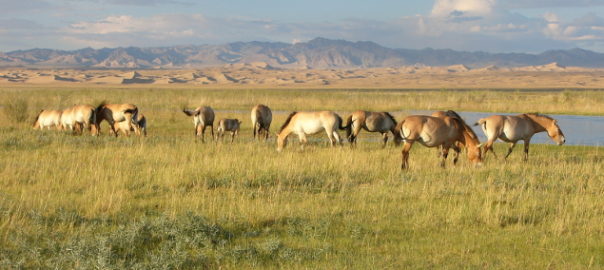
pixel 124 127
pixel 457 146
pixel 225 125
pixel 48 119
pixel 433 132
pixel 305 123
pixel 202 117
pixel 511 129
pixel 381 122
pixel 261 120
pixel 80 117
pixel 117 113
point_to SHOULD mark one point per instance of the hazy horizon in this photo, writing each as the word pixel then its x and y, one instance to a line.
pixel 494 26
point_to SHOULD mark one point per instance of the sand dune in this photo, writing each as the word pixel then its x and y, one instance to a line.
pixel 261 74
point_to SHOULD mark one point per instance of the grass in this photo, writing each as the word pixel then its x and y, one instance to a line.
pixel 167 201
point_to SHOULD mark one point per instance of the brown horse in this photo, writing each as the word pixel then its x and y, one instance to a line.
pixel 261 120
pixel 48 119
pixel 457 146
pixel 305 123
pixel 433 132
pixel 117 113
pixel 202 117
pixel 225 125
pixel 124 127
pixel 511 129
pixel 80 117
pixel 381 122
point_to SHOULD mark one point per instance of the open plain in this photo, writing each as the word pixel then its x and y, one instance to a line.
pixel 169 201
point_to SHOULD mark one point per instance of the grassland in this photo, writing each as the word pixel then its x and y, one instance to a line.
pixel 167 201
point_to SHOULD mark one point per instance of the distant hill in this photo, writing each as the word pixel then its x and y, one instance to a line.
pixel 319 53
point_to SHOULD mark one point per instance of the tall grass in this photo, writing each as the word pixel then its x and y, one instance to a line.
pixel 169 201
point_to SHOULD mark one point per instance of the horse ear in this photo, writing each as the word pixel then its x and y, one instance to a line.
pixel 480 145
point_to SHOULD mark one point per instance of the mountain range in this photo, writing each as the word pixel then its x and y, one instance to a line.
pixel 319 53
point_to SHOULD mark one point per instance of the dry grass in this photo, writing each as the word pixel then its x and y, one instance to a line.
pixel 167 201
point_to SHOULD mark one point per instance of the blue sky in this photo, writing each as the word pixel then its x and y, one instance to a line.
pixel 471 25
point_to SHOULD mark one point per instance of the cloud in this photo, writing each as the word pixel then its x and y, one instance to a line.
pixel 462 8
pixel 549 3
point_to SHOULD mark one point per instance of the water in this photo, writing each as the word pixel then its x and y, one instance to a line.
pixel 577 129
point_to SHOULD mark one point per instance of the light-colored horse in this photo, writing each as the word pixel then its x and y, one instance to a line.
pixel 80 117
pixel 511 129
pixel 307 123
pixel 117 113
pixel 202 117
pixel 225 125
pixel 261 120
pixel 48 119
pixel 125 128
pixel 433 131
pixel 381 122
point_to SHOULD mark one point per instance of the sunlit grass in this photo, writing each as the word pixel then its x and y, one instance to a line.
pixel 171 201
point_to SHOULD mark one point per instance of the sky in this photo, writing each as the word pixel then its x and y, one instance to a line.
pixel 470 25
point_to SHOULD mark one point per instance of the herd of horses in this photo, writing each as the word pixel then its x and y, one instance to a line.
pixel 444 130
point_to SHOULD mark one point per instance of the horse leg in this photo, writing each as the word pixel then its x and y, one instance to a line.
pixel 337 137
pixel 445 155
pixel 203 134
pixel 212 130
pixel 332 140
pixel 232 136
pixel 384 139
pixel 510 150
pixel 303 140
pixel 457 149
pixel 405 154
pixel 527 142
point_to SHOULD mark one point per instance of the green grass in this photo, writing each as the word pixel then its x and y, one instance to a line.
pixel 167 201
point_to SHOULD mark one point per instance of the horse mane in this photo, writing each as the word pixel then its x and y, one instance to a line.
pixel 540 115
pixel 289 118
pixel 463 123
pixel 36 119
pixel 100 107
pixel 391 118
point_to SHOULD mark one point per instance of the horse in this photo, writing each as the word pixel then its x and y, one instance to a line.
pixel 306 123
pixel 48 119
pixel 261 120
pixel 511 129
pixel 433 131
pixel 80 117
pixel 225 125
pixel 381 122
pixel 117 113
pixel 202 117
pixel 457 146
pixel 124 127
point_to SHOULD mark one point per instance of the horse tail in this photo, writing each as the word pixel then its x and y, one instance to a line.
pixel 481 121
pixel 400 130
pixel 340 122
pixel 348 126
pixel 36 119
pixel 257 124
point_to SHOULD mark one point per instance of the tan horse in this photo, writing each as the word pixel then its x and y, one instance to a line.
pixel 124 127
pixel 306 123
pixel 202 117
pixel 511 129
pixel 225 125
pixel 80 117
pixel 117 113
pixel 457 146
pixel 48 119
pixel 381 122
pixel 261 120
pixel 433 132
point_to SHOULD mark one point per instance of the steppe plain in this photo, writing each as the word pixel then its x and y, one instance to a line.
pixel 168 201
